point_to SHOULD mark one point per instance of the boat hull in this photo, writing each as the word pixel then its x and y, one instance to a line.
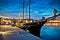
pixel 34 28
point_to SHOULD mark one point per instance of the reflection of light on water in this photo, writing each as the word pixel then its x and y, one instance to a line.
pixel 50 32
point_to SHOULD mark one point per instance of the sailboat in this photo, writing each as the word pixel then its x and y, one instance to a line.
pixel 35 27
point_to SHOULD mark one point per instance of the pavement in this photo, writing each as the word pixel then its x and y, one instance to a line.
pixel 14 33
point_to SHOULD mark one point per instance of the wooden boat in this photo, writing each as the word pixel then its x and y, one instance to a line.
pixel 35 27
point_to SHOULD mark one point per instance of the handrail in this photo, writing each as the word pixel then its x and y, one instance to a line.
pixel 53 16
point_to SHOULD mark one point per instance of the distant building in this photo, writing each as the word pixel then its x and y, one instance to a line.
pixel 53 22
pixel 15 22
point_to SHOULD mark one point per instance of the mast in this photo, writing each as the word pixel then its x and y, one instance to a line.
pixel 19 19
pixel 23 9
pixel 29 10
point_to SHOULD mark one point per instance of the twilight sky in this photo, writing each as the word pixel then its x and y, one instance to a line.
pixel 39 8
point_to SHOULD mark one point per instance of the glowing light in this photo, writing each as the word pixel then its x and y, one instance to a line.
pixel 3 33
pixel 53 23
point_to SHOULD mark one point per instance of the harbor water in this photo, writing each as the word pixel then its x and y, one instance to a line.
pixel 50 33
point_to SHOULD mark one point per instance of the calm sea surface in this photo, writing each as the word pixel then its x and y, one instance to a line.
pixel 50 33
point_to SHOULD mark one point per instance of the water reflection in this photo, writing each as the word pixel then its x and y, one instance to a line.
pixel 50 33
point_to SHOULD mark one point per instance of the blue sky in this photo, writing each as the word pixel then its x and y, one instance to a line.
pixel 39 8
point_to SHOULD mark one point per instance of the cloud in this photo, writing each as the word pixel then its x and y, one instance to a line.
pixel 38 9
